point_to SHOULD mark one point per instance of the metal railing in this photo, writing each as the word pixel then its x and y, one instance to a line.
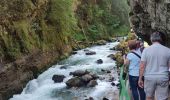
pixel 123 94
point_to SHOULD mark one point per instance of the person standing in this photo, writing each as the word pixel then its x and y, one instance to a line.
pixel 133 60
pixel 155 63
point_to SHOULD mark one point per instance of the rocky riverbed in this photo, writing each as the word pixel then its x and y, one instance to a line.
pixel 89 74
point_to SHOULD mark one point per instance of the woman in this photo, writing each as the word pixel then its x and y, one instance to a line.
pixel 133 60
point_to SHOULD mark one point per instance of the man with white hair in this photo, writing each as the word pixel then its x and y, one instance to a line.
pixel 155 64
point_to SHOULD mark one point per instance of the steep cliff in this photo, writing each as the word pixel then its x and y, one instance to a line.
pixel 33 34
pixel 147 16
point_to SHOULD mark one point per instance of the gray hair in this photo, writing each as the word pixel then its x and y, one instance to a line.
pixel 156 37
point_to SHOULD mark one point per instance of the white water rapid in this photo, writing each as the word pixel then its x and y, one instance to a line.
pixel 43 88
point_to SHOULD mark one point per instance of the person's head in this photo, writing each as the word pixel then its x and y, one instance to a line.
pixel 132 44
pixel 156 37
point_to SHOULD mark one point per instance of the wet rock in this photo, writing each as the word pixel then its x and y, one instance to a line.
pixel 86 78
pixel 111 79
pixel 79 73
pixel 118 85
pixel 108 71
pixel 102 78
pixel 64 67
pixel 58 78
pixel 112 56
pixel 75 48
pixel 111 40
pixel 86 50
pixel 90 53
pixel 92 83
pixel 100 61
pixel 102 70
pixel 75 82
pixel 113 84
pixel 101 42
pixel 113 48
pixel 90 98
pixel 105 98
pixel 94 76
pixel 74 52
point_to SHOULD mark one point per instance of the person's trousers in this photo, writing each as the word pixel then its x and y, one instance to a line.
pixel 137 92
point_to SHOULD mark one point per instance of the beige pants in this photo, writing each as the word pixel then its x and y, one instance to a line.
pixel 160 86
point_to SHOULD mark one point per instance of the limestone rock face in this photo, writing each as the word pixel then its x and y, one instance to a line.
pixel 147 16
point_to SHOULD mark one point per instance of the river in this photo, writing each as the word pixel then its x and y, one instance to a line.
pixel 43 88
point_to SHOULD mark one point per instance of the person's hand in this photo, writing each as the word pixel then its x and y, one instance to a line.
pixel 124 56
pixel 140 83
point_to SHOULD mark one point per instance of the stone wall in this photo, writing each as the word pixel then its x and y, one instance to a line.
pixel 147 16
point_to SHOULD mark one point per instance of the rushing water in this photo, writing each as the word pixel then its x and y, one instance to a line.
pixel 43 88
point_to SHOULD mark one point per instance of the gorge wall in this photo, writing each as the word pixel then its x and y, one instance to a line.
pixel 147 16
pixel 33 35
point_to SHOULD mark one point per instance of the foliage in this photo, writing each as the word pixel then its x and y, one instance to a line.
pixel 99 19
pixel 35 25
pixel 43 25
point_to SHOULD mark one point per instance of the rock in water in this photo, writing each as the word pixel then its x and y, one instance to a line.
pixel 92 83
pixel 101 42
pixel 91 98
pixel 64 67
pixel 86 78
pixel 90 53
pixel 100 61
pixel 58 78
pixel 113 84
pixel 112 56
pixel 75 82
pixel 105 98
pixel 74 52
pixel 86 50
pixel 94 76
pixel 79 73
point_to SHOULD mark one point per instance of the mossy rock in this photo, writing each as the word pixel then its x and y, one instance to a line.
pixel 119 59
pixel 123 47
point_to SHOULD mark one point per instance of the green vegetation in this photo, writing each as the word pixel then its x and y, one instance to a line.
pixel 42 25
pixel 102 19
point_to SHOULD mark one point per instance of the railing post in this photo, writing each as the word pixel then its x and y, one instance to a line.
pixel 123 90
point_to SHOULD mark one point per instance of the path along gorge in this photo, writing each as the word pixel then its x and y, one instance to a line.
pixel 44 88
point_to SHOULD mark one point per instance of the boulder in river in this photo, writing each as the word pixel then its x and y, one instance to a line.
pixel 105 98
pixel 75 82
pixel 90 98
pixel 74 52
pixel 58 78
pixel 86 50
pixel 90 53
pixel 94 76
pixel 100 61
pixel 92 83
pixel 64 67
pixel 112 56
pixel 86 78
pixel 113 48
pixel 106 71
pixel 113 84
pixel 79 73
